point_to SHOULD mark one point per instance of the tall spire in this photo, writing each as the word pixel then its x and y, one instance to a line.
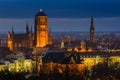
pixel 92 22
pixel 12 29
pixel 27 27
pixel 92 30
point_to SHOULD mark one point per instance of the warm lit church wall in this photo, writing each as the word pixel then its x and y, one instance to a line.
pixel 41 30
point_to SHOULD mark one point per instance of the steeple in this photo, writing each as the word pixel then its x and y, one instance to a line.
pixel 27 28
pixel 12 30
pixel 92 30
pixel 92 22
pixel 9 35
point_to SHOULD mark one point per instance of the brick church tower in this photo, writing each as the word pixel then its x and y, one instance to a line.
pixel 41 29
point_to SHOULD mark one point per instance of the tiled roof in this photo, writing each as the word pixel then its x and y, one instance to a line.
pixel 20 36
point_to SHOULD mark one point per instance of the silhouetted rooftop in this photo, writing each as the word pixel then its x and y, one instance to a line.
pixel 20 36
pixel 41 13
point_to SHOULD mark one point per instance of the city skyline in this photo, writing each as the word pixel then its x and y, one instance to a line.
pixel 62 15
pixel 59 39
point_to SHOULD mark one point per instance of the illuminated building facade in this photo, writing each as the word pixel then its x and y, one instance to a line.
pixel 62 45
pixel 42 36
pixel 20 40
pixel 18 66
pixel 83 46
pixel 92 31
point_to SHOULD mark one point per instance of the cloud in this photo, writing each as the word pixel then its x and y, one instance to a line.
pixel 19 25
pixel 63 24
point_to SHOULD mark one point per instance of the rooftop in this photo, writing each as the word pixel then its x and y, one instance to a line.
pixel 41 13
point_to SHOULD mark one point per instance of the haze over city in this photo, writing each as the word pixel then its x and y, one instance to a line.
pixel 63 15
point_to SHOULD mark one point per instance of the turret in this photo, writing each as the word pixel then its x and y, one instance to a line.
pixel 10 38
pixel 9 35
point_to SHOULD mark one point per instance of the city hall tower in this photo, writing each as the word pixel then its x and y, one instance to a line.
pixel 92 31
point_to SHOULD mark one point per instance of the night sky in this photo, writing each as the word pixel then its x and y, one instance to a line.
pixel 63 15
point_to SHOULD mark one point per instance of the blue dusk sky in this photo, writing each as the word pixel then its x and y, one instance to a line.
pixel 63 15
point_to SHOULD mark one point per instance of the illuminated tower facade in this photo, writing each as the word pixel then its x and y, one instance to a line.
pixel 92 31
pixel 41 29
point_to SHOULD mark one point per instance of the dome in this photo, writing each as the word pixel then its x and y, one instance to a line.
pixel 41 13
